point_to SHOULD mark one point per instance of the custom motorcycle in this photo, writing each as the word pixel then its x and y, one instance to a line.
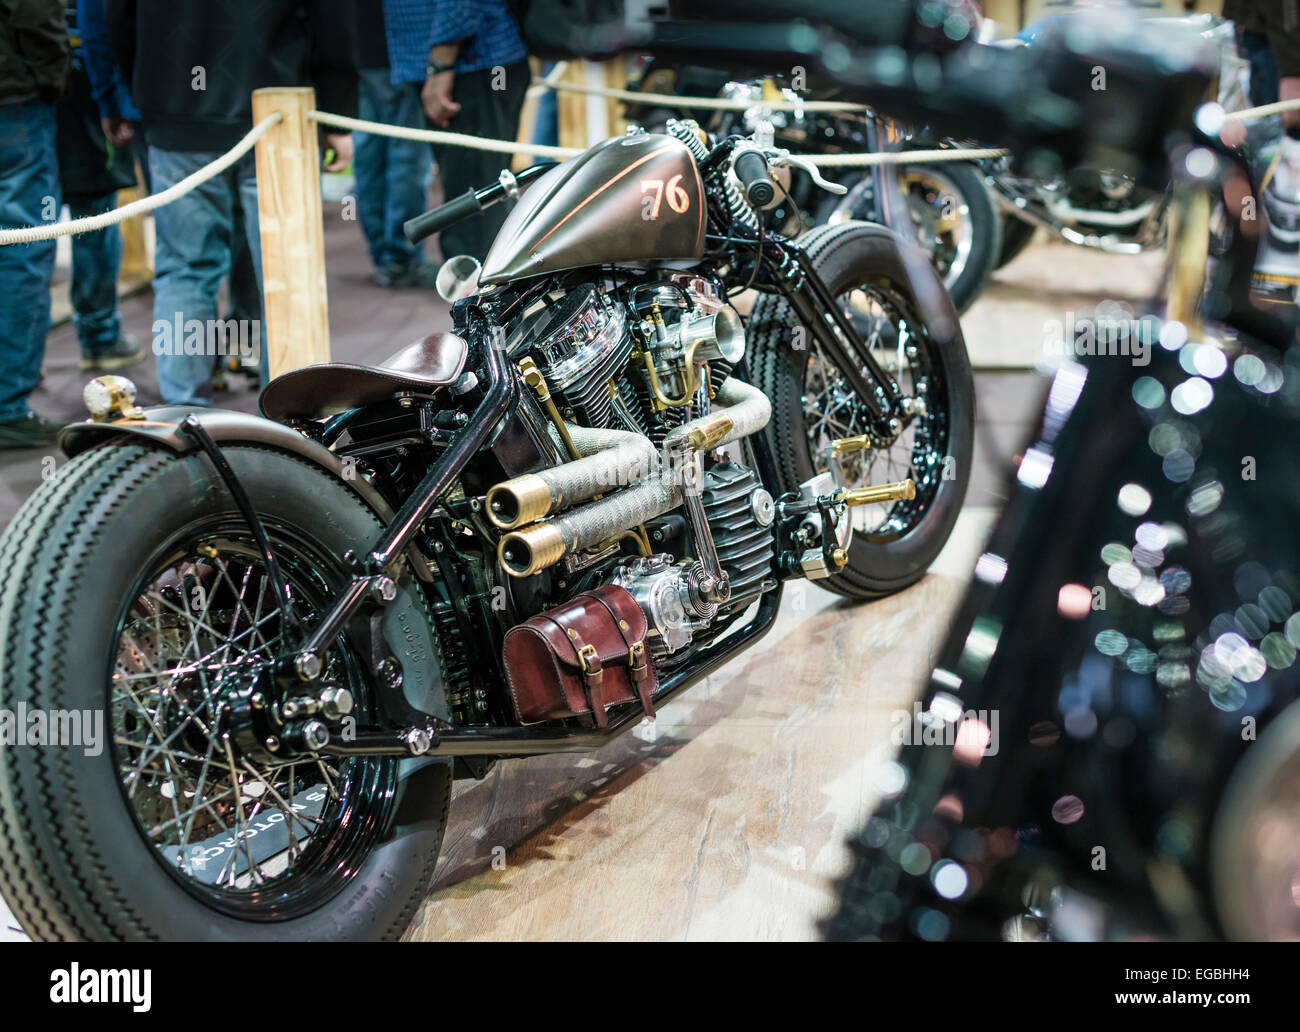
pixel 514 537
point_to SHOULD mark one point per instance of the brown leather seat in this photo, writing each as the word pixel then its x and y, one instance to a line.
pixel 332 387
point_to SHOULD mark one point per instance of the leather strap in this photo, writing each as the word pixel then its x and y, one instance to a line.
pixel 587 660
pixel 637 660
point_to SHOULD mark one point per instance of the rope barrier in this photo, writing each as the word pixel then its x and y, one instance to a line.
pixel 549 80
pixel 510 147
pixel 1263 111
pixel 145 204
pixel 704 103
pixel 402 132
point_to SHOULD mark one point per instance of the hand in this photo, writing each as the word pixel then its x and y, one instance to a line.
pixel 341 145
pixel 435 95
pixel 1288 88
pixel 1233 133
pixel 118 130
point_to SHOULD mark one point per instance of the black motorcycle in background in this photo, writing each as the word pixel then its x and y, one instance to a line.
pixel 944 206
pixel 1109 746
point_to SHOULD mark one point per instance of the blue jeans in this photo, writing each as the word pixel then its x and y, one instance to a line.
pixel 390 173
pixel 192 257
pixel 1253 47
pixel 29 196
pixel 95 260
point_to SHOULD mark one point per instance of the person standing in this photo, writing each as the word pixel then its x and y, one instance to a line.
pixel 192 69
pixel 472 65
pixel 33 71
pixel 118 115
pixel 391 174
pixel 91 171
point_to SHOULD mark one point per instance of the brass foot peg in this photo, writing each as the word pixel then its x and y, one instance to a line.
pixel 902 490
pixel 847 445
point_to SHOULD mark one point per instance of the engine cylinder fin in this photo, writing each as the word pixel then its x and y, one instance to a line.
pixel 746 548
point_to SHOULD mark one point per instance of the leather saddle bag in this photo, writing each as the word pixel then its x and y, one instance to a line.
pixel 580 658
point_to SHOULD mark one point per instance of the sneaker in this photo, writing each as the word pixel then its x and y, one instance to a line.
pixel 118 355
pixel 417 274
pixel 31 431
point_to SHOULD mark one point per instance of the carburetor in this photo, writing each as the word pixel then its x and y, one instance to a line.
pixel 681 328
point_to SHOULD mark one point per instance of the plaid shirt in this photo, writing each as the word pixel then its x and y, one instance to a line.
pixel 486 32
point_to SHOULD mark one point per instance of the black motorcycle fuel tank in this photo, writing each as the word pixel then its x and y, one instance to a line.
pixel 631 198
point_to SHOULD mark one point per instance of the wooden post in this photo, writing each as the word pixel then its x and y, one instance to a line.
pixel 290 222
pixel 587 118
pixel 135 268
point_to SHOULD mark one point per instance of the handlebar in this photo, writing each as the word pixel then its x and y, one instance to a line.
pixel 750 167
pixel 469 203
pixel 441 217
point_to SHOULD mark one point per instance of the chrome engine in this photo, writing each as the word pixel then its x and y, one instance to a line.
pixel 637 386
pixel 676 340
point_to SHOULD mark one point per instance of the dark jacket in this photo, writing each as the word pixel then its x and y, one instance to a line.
pixel 192 66
pixel 1279 20
pixel 33 50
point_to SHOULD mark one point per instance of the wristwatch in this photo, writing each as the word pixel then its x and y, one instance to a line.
pixel 437 68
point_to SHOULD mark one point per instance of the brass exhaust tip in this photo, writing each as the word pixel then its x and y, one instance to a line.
pixel 523 553
pixel 902 490
pixel 518 502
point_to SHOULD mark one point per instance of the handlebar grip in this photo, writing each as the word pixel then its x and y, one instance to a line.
pixel 441 217
pixel 751 169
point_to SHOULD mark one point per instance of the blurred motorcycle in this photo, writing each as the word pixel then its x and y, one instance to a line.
pixel 1109 746
pixel 1093 205
pixel 944 206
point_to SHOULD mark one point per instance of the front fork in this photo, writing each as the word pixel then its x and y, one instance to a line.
pixel 798 281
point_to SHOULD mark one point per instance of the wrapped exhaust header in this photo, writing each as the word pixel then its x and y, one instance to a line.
pixel 743 410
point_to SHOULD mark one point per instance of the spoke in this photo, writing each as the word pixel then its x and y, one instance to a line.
pixel 241 823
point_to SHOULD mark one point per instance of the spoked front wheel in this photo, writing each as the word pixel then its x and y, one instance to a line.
pixel 135 603
pixel 813 403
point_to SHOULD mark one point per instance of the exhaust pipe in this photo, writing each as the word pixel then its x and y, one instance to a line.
pixel 745 410
pixel 610 458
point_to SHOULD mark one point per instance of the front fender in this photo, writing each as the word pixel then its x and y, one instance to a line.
pixel 162 425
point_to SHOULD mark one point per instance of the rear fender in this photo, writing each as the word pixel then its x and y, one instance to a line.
pixel 162 425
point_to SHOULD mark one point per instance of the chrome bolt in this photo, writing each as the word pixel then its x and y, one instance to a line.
pixel 315 735
pixel 391 671
pixel 336 702
pixel 257 701
pixel 418 741
pixel 384 589
pixel 273 743
pixel 307 666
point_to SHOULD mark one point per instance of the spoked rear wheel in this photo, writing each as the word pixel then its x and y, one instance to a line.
pixel 814 405
pixel 130 588
pixel 249 836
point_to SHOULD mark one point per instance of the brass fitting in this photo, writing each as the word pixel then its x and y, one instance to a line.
pixel 523 553
pixel 710 435
pixel 519 501
pixel 534 378
pixel 840 556
pixel 876 493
